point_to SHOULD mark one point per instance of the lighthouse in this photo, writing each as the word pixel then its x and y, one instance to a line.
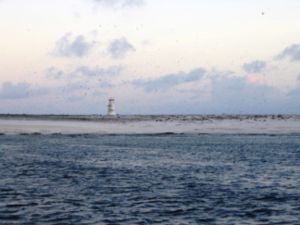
pixel 111 110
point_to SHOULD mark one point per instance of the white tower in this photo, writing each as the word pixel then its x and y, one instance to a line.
pixel 111 111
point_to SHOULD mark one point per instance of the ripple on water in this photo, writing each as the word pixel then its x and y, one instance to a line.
pixel 149 179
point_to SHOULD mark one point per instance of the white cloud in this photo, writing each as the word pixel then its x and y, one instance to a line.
pixel 292 53
pixel 97 71
pixel 69 46
pixel 256 66
pixel 121 3
pixel 168 81
pixel 118 48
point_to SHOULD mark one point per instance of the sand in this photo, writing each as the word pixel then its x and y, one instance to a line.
pixel 150 124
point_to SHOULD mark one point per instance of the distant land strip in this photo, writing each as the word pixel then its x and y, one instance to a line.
pixel 158 118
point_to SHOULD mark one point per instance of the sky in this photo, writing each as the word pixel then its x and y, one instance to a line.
pixel 152 56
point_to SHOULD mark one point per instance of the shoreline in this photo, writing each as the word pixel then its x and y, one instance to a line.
pixel 193 124
pixel 157 118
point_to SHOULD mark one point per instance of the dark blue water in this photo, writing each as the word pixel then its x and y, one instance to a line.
pixel 154 179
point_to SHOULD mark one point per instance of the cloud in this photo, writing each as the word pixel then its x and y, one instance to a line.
pixel 214 92
pixel 121 3
pixel 166 82
pixel 292 53
pixel 54 73
pixel 84 71
pixel 9 90
pixel 118 48
pixel 97 71
pixel 82 81
pixel 255 66
pixel 129 3
pixel 235 94
pixel 72 87
pixel 69 46
pixel 105 84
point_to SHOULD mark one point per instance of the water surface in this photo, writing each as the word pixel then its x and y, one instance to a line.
pixel 149 179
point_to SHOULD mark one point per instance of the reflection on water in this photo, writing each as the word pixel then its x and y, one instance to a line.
pixel 149 179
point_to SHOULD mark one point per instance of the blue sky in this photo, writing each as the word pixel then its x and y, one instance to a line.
pixel 152 56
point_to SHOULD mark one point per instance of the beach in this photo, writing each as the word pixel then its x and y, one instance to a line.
pixel 152 124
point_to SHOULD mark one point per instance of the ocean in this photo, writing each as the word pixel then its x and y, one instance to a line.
pixel 150 179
